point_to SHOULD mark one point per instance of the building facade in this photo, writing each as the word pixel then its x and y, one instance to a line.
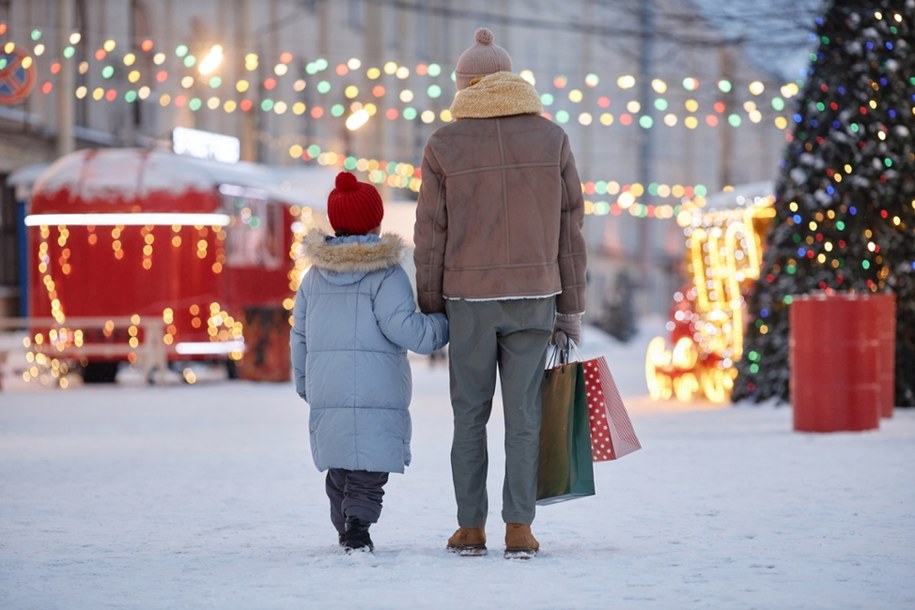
pixel 660 107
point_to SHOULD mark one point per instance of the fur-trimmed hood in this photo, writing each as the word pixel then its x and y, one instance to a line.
pixel 348 259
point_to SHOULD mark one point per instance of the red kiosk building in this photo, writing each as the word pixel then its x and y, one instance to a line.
pixel 134 247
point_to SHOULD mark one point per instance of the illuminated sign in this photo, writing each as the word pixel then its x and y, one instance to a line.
pixel 724 249
pixel 206 145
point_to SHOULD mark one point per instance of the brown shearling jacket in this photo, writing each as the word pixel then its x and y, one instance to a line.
pixel 500 209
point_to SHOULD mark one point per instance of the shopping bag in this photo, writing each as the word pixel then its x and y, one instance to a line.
pixel 612 434
pixel 565 469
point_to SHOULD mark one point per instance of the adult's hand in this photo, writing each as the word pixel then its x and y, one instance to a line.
pixel 566 327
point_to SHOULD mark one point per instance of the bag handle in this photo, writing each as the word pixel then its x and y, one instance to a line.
pixel 557 357
pixel 562 355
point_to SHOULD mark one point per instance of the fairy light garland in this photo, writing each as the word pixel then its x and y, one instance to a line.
pixel 148 68
pixel 602 197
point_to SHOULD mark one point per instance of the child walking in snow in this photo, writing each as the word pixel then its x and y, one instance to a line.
pixel 354 320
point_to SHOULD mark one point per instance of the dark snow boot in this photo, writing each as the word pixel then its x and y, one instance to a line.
pixel 357 536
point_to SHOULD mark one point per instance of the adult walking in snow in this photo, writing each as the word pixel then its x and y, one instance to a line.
pixel 499 248
pixel 354 320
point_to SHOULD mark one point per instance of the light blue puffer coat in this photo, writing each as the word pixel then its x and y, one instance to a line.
pixel 354 320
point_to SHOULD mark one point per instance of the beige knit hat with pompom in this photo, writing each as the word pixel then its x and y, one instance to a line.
pixel 483 58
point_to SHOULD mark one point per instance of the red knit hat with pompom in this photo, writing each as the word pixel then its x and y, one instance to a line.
pixel 354 208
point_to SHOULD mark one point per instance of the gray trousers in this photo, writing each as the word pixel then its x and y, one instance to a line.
pixel 511 337
pixel 354 493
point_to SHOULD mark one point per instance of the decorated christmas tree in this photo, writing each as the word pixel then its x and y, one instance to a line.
pixel 845 194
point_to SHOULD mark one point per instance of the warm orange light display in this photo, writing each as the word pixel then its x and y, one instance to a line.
pixel 724 254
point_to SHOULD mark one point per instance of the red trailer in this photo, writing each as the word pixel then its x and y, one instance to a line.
pixel 146 247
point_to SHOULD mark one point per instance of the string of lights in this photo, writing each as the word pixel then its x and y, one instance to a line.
pixel 175 78
pixel 182 79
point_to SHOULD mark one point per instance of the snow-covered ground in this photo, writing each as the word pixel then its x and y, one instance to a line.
pixel 205 496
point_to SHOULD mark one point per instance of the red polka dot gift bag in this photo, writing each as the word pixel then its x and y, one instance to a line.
pixel 612 434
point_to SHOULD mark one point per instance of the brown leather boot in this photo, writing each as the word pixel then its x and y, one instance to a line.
pixel 519 541
pixel 468 542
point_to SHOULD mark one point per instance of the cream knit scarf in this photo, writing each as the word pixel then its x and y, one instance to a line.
pixel 499 94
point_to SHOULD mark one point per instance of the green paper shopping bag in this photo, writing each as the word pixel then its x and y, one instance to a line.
pixel 566 470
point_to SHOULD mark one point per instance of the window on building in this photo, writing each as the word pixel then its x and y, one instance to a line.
pixel 9 255
pixel 254 237
pixel 354 15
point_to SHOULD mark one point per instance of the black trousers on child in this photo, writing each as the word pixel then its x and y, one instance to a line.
pixel 354 493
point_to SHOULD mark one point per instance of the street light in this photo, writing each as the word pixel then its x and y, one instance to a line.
pixel 357 119
pixel 212 60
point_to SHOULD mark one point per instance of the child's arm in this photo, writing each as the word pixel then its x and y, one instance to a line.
pixel 395 310
pixel 297 344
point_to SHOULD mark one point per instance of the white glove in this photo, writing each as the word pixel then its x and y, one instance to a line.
pixel 566 327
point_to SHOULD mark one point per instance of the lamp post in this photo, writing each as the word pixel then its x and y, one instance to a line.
pixel 65 102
